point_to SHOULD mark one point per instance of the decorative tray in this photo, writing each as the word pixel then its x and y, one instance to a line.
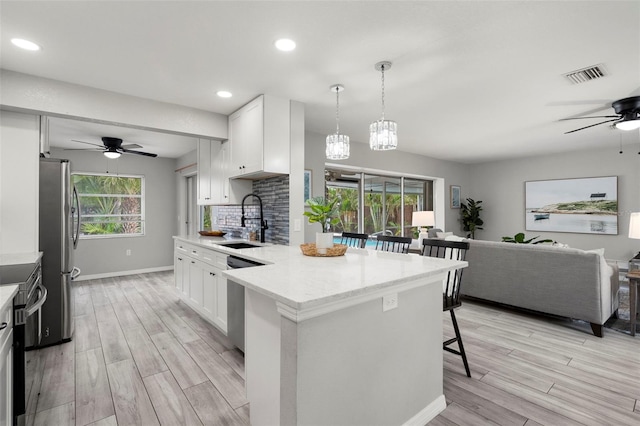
pixel 211 233
pixel 310 250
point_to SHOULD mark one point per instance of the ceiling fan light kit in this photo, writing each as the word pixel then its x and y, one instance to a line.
pixel 112 148
pixel 111 153
pixel 383 134
pixel 337 144
pixel 628 118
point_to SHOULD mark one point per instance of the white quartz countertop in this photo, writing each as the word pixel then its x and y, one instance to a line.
pixel 7 292
pixel 302 282
pixel 19 258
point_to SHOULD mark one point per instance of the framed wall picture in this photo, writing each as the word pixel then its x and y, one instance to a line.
pixel 454 193
pixel 579 205
pixel 307 185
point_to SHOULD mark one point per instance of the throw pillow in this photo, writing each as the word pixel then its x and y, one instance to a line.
pixel 433 231
pixel 443 234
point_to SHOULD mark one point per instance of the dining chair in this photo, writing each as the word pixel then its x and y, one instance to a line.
pixel 393 244
pixel 453 250
pixel 352 239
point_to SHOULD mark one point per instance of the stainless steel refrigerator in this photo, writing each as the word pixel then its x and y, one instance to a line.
pixel 59 231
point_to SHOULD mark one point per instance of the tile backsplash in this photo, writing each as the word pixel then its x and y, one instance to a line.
pixel 274 192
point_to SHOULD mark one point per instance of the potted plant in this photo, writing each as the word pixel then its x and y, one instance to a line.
pixel 471 221
pixel 325 213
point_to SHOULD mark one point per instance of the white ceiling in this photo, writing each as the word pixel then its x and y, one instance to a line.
pixel 471 81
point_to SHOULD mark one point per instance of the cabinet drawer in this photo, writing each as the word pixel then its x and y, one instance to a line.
pixel 189 249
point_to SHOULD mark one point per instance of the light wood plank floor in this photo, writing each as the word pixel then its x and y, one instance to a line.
pixel 140 356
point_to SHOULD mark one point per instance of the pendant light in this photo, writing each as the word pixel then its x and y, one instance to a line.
pixel 383 134
pixel 337 144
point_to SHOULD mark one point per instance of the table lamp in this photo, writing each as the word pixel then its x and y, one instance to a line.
pixel 634 232
pixel 423 219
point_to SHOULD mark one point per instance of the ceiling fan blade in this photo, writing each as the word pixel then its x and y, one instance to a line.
pixel 597 124
pixel 593 116
pixel 148 154
pixel 131 146
pixel 88 143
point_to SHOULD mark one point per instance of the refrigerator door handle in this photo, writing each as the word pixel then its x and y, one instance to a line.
pixel 75 272
pixel 75 209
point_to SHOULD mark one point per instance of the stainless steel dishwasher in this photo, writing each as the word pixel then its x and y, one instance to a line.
pixel 235 302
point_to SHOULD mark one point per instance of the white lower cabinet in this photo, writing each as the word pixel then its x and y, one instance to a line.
pixel 199 281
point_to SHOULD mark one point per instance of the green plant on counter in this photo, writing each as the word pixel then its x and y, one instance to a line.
pixel 323 212
pixel 519 239
pixel 471 221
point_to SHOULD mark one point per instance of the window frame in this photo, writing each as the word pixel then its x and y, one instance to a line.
pixel 142 214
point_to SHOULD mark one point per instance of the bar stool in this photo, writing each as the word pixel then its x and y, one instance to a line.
pixel 393 244
pixel 453 250
pixel 354 240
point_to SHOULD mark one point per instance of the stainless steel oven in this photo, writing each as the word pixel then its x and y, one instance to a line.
pixel 33 314
pixel 27 324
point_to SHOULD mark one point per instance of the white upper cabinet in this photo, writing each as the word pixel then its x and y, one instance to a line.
pixel 259 135
pixel 214 186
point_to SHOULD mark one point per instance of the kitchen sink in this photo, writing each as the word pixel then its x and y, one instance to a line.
pixel 239 245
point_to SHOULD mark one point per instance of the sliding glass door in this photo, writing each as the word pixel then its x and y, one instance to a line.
pixel 376 204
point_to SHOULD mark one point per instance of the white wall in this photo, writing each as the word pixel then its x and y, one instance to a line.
pixel 500 186
pixel 19 171
pixel 152 251
pixel 450 173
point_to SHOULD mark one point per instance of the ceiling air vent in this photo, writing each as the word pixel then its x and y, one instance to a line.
pixel 586 74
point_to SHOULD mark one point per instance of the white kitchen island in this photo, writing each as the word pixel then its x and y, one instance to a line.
pixel 320 350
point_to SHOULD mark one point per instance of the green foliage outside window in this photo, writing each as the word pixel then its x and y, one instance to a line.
pixel 110 205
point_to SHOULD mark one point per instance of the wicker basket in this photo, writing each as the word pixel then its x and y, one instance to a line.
pixel 310 250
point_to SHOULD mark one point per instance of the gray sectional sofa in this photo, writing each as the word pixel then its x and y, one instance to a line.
pixel 566 282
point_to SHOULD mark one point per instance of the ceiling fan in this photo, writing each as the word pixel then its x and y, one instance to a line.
pixel 628 118
pixel 113 148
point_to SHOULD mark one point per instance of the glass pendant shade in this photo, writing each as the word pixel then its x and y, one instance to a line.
pixel 337 144
pixel 383 135
pixel 337 147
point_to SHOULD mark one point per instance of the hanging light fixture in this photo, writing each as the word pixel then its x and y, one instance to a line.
pixel 112 153
pixel 383 134
pixel 337 144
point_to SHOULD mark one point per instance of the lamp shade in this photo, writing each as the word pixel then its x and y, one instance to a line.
pixel 634 225
pixel 423 218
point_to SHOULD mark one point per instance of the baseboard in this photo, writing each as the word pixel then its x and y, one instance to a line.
pixel 428 413
pixel 123 273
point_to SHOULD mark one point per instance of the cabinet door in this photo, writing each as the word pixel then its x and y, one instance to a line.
pixel 196 282
pixel 178 271
pixel 210 281
pixel 204 172
pixel 186 279
pixel 221 303
pixel 246 138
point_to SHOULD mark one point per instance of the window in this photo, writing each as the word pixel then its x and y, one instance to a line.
pixel 110 205
pixel 376 204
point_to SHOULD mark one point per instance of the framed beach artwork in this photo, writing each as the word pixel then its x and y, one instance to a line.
pixel 307 185
pixel 454 193
pixel 580 205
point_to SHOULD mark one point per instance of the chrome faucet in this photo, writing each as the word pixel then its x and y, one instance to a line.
pixel 263 223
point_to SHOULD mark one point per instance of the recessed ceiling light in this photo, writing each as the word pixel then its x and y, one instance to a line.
pixel 25 44
pixel 224 94
pixel 285 44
